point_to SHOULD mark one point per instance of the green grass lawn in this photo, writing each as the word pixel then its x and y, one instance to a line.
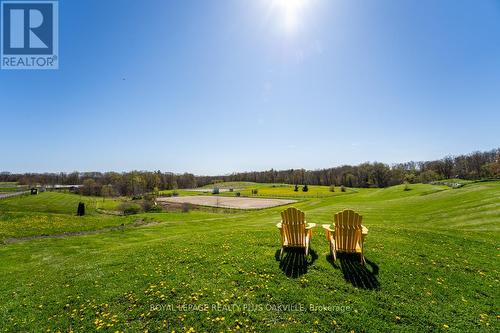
pixel 53 213
pixel 6 189
pixel 56 202
pixel 432 257
pixel 233 185
pixel 283 191
pixel 11 187
pixel 270 191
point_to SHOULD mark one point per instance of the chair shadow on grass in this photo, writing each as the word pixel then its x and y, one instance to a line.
pixel 294 262
pixel 360 276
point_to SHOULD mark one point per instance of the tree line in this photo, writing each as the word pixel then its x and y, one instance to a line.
pixel 108 183
pixel 477 165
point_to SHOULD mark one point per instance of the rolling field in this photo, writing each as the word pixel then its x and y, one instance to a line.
pixel 432 252
pixel 8 187
pixel 54 213
pixel 267 191
pixel 288 191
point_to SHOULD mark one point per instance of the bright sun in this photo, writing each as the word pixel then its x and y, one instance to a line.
pixel 290 12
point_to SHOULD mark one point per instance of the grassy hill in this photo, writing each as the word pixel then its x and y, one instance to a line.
pixel 6 187
pixel 51 213
pixel 432 256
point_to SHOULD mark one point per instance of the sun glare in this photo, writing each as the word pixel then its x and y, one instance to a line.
pixel 290 13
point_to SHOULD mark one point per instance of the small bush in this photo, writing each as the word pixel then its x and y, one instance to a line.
pixel 305 188
pixel 129 208
pixel 296 189
pixel 149 197
pixel 175 194
pixel 238 194
pixel 231 189
pixel 406 187
pixel 215 190
pixel 186 207
pixel 146 205
pixel 156 209
pixel 137 197
pixel 332 188
pixel 255 192
pixel 149 204
pixel 342 188
pixel 81 209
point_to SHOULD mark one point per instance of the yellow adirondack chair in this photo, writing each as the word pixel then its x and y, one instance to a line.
pixel 294 230
pixel 347 234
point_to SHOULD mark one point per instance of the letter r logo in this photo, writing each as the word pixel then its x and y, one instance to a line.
pixel 28 28
pixel 29 34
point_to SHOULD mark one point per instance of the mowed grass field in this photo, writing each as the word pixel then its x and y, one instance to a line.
pixel 6 187
pixel 51 213
pixel 433 265
pixel 269 191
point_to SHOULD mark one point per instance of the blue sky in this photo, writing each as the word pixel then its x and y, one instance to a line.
pixel 212 87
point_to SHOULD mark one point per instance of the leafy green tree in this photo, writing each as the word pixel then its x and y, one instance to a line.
pixel 88 187
pixel 106 191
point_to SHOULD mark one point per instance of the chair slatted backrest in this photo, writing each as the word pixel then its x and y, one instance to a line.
pixel 293 226
pixel 347 230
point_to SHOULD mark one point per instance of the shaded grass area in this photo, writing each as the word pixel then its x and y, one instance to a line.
pixel 430 268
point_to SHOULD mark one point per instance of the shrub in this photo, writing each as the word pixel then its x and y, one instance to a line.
pixel 149 204
pixel 406 187
pixel 156 191
pixel 175 194
pixel 332 188
pixel 342 188
pixel 137 197
pixel 305 188
pixel 129 208
pixel 238 194
pixel 215 190
pixel 428 176
pixel 149 197
pixel 186 207
pixel 231 189
pixel 255 192
pixel 146 205
pixel 296 189
pixel 156 209
pixel 81 209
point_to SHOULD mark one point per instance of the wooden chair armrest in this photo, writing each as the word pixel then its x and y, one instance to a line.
pixel 328 227
pixel 364 230
pixel 279 225
pixel 310 226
